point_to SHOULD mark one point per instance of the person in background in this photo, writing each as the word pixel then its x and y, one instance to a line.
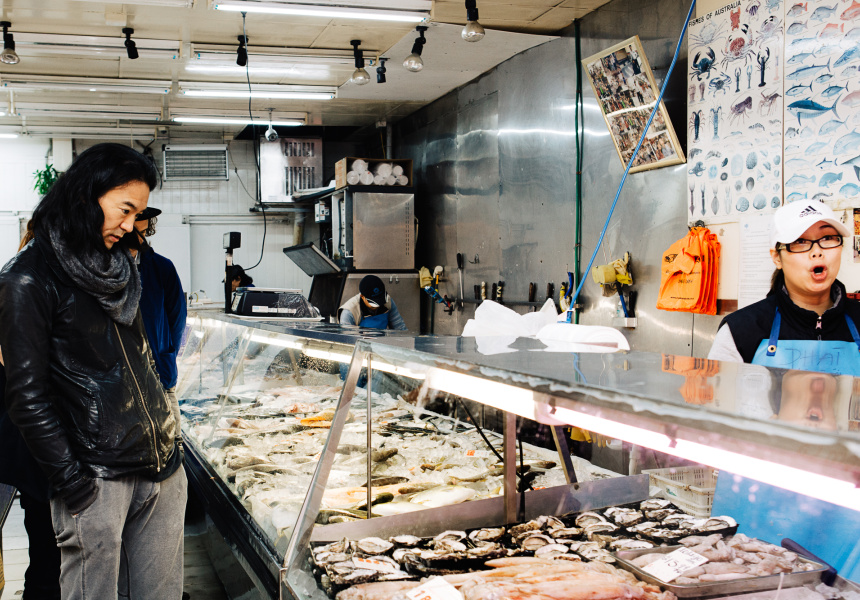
pixel 371 307
pixel 162 306
pixel 238 278
pixel 20 470
pixel 81 384
pixel 806 321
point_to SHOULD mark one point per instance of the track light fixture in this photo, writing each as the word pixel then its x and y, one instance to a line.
pixel 413 62
pixel 130 48
pixel 242 51
pixel 473 31
pixel 380 71
pixel 8 56
pixel 359 76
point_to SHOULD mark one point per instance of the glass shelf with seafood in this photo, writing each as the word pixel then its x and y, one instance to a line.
pixel 647 401
pixel 258 409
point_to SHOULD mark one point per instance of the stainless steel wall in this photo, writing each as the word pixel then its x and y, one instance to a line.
pixel 495 172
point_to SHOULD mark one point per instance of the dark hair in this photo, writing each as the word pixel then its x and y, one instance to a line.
pixel 235 272
pixel 71 207
pixel 150 227
pixel 777 281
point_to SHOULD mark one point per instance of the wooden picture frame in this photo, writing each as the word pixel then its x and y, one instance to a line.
pixel 626 91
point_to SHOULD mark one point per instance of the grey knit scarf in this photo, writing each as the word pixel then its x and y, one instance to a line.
pixel 112 278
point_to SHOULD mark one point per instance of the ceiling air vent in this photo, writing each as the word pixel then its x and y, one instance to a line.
pixel 207 161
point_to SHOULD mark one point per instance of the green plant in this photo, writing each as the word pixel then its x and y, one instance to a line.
pixel 45 178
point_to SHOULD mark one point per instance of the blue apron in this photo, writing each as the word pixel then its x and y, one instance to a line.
pixel 838 358
pixel 375 321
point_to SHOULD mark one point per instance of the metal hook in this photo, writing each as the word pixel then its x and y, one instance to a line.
pixel 474 262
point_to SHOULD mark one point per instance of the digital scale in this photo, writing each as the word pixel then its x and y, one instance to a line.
pixel 272 303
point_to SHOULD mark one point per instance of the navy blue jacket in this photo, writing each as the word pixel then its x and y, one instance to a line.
pixel 162 305
pixel 751 325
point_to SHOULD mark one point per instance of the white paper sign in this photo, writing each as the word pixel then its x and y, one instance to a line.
pixel 479 453
pixel 374 565
pixel 673 564
pixel 434 589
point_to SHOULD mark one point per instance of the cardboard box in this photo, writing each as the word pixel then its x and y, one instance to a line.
pixel 341 168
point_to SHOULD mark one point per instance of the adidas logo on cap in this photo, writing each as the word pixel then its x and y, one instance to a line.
pixel 808 211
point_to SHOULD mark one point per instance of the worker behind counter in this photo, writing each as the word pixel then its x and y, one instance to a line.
pixel 806 322
pixel 238 277
pixel 371 307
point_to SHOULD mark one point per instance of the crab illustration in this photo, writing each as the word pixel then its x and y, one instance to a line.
pixel 770 28
pixel 708 34
pixel 702 65
pixel 738 47
pixel 721 83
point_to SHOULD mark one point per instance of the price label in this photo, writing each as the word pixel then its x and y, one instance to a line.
pixel 374 565
pixel 479 453
pixel 673 564
pixel 434 589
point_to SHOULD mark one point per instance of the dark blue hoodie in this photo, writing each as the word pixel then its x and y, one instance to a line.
pixel 162 305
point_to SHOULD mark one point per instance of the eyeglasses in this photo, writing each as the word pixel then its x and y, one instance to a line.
pixel 802 245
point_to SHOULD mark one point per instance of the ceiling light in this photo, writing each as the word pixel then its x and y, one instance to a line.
pixel 283 92
pixel 88 111
pixel 90 46
pixel 242 51
pixel 413 62
pixel 228 121
pixel 380 71
pixel 359 76
pixel 84 84
pixel 8 56
pixel 123 133
pixel 365 12
pixel 175 3
pixel 130 48
pixel 8 136
pixel 472 32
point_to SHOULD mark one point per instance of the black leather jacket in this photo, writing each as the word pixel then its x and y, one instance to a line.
pixel 81 388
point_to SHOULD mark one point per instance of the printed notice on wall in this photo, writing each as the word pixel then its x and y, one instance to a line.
pixel 755 265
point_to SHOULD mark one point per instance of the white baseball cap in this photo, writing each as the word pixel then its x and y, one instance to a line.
pixel 791 220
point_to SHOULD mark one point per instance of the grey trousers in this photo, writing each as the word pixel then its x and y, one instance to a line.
pixel 135 525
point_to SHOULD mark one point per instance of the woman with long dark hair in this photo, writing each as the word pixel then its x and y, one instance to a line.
pixel 81 386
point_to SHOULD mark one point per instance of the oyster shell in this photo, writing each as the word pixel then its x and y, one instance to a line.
pixel 603 527
pixel 374 545
pixel 642 527
pixel 715 523
pixel 448 546
pixel 407 541
pixel 625 517
pixel 551 550
pixel 659 514
pixel 488 534
pixel 565 533
pixel 589 518
pixel 450 535
pixel 530 543
pixel 655 504
pixel 553 523
pixel 487 550
pixel 533 525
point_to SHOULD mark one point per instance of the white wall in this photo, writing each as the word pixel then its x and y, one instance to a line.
pixel 19 158
pixel 196 214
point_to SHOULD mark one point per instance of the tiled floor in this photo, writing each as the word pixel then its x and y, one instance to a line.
pixel 201 582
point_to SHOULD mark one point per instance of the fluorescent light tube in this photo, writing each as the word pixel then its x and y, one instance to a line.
pixel 329 12
pixel 223 121
pixel 174 3
pixel 85 84
pixel 87 46
pixel 8 136
pixel 286 92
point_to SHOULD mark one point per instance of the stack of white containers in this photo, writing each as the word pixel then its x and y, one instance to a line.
pixel 360 173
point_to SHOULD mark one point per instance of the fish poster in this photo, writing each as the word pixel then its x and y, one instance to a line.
pixel 822 100
pixel 734 109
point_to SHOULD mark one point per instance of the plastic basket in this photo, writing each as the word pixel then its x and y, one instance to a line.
pixel 690 488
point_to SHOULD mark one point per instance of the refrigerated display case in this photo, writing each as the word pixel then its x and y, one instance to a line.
pixel 743 419
pixel 258 401
pixel 276 482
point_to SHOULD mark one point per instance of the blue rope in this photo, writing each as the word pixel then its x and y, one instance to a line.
pixel 632 158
